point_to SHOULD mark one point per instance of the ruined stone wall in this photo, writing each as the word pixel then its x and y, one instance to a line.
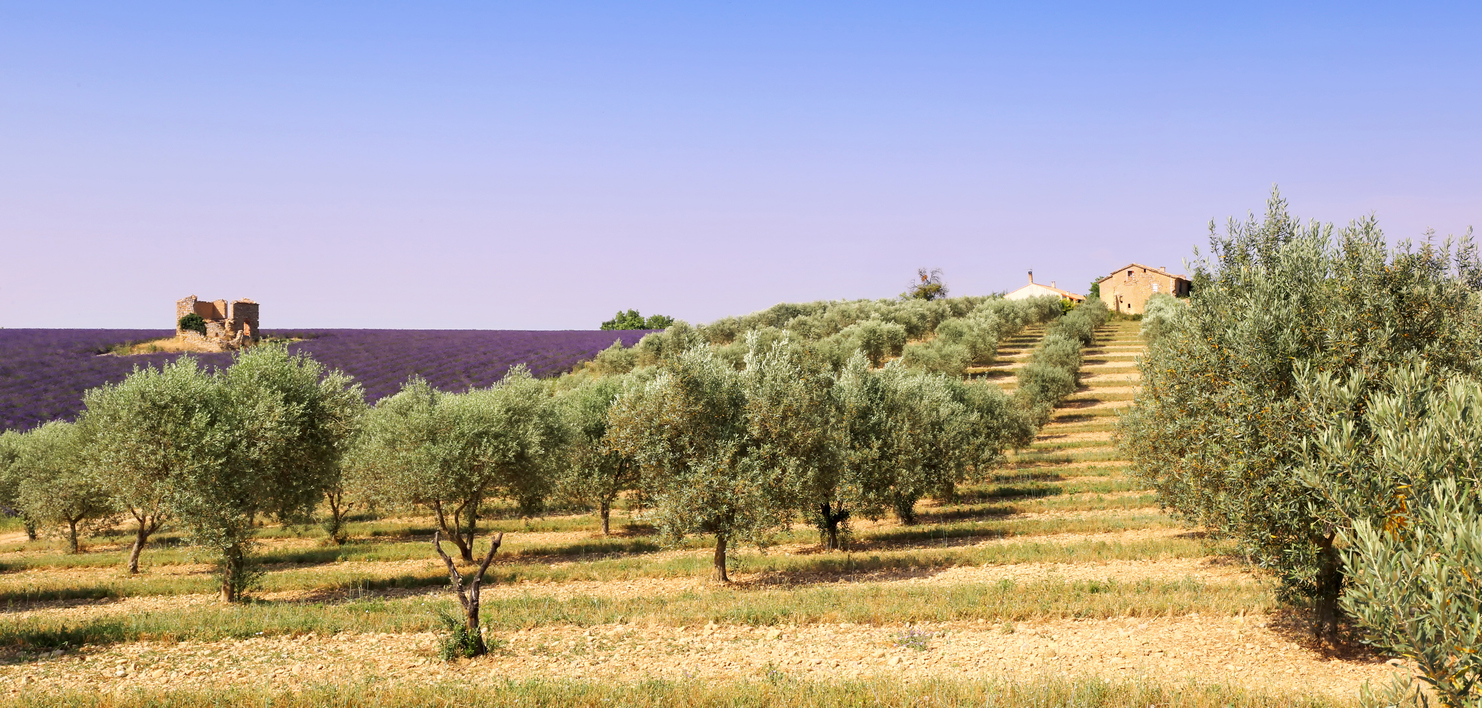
pixel 227 323
pixel 183 307
pixel 1127 290
pixel 243 318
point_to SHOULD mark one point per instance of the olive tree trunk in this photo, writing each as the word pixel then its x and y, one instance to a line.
pixel 147 525
pixel 831 521
pixel 1329 588
pixel 468 595
pixel 720 558
pixel 72 545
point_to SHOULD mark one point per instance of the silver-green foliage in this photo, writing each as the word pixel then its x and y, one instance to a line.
pixel 54 487
pixel 1162 313
pixel 1417 590
pixel 595 474
pixel 10 477
pixel 1397 464
pixel 276 427
pixel 1219 422
pixel 1053 369
pixel 702 467
pixel 453 452
pixel 148 431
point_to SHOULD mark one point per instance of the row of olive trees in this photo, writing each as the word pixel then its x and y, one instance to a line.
pixel 1053 369
pixel 1316 402
pixel 942 336
pixel 738 454
pixel 212 451
pixel 710 449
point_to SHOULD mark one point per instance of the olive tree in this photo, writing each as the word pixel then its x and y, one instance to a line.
pixel 10 477
pixel 275 431
pixel 453 452
pixel 145 432
pixel 795 420
pixel 937 429
pixel 595 474
pixel 1219 424
pixel 1399 473
pixel 689 431
pixel 54 487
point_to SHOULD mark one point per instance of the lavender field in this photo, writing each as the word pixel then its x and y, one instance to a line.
pixel 43 372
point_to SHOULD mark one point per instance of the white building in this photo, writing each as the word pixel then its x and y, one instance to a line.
pixel 1034 289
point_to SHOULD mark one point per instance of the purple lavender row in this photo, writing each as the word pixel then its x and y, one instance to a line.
pixel 44 372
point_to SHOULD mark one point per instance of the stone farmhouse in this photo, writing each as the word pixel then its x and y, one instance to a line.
pixel 229 325
pixel 1128 288
pixel 1034 289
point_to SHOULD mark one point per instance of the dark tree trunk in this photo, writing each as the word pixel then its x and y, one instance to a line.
pixel 831 522
pixel 335 524
pixel 1329 587
pixel 233 572
pixel 453 532
pixel 72 545
pixel 30 530
pixel 466 548
pixel 720 559
pixel 141 537
pixel 468 595
pixel 606 517
pixel 905 510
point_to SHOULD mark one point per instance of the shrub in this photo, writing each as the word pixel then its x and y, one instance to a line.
pixel 55 487
pixel 1163 312
pixel 1220 421
pixel 453 452
pixel 193 323
pixel 1416 589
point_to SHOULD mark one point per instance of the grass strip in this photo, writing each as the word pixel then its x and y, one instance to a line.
pixel 870 603
pixel 872 553
pixel 774 689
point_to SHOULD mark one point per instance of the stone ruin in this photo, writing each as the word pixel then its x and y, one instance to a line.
pixel 229 325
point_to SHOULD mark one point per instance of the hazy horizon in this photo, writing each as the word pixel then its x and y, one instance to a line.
pixel 518 166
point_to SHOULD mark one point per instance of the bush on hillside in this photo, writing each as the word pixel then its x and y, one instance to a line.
pixel 1220 422
pixel 1163 312
pixel 193 323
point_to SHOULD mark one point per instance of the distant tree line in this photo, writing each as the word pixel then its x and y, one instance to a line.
pixel 632 320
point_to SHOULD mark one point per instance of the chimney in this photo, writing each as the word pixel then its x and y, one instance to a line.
pixel 1052 283
pixel 1031 276
pixel 1161 269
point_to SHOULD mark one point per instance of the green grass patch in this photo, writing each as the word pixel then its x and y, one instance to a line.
pixel 775 689
pixel 876 550
pixel 865 603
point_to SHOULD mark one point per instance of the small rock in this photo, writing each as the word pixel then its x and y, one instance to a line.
pixel 894 660
pixel 774 634
pixel 1395 662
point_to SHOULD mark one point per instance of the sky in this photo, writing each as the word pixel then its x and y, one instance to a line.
pixel 541 165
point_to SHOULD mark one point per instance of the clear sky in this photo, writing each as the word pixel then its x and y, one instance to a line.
pixel 539 165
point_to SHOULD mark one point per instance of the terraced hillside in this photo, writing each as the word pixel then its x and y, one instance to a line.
pixel 1060 564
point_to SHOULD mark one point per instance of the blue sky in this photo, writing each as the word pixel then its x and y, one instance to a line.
pixel 541 165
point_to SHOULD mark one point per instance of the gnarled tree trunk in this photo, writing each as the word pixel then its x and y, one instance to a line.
pixel 147 525
pixel 720 558
pixel 233 572
pixel 468 595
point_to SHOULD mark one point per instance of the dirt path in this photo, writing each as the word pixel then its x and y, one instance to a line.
pixel 1245 651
